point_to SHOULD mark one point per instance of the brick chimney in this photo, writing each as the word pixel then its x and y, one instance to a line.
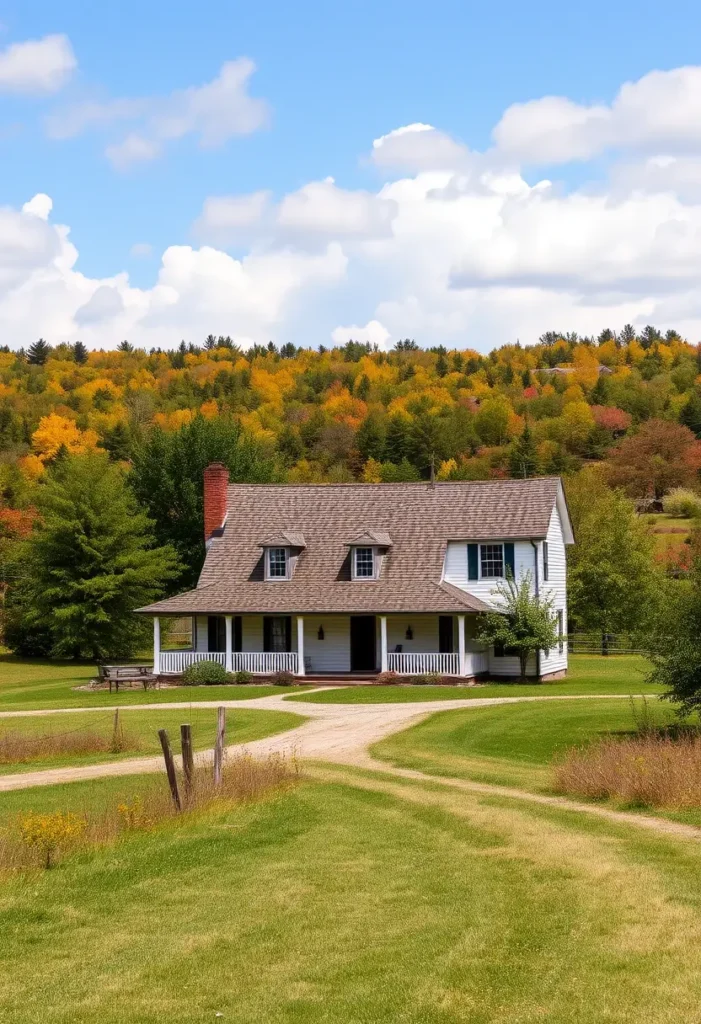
pixel 216 480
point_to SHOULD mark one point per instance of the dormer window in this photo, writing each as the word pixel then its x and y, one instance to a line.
pixel 364 563
pixel 278 562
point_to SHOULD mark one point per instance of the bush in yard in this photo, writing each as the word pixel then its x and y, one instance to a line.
pixel 282 678
pixel 242 676
pixel 205 673
pixel 682 503
pixel 387 679
pixel 425 679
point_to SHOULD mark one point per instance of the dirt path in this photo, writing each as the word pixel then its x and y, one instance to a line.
pixel 341 734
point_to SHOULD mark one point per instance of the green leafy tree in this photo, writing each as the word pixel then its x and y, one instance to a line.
pixel 690 415
pixel 167 478
pixel 674 642
pixel 613 581
pixel 526 625
pixel 90 562
pixel 38 353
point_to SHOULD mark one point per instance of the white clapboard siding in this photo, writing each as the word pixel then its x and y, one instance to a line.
pixel 556 587
pixel 332 654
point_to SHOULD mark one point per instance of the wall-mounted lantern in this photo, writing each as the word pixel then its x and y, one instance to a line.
pixel 409 633
pixel 320 633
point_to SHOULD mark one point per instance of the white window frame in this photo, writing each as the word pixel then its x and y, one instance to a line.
pixel 492 544
pixel 356 551
pixel 268 574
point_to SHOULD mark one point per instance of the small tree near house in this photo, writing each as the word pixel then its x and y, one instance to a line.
pixel 526 625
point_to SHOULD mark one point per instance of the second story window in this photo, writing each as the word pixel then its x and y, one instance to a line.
pixel 492 561
pixel 364 563
pixel 277 563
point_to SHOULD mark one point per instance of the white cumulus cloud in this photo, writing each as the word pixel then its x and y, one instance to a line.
pixel 373 331
pixel 37 67
pixel 214 113
pixel 228 219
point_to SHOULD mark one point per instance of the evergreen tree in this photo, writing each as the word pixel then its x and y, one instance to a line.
pixel 526 379
pixel 210 342
pixel 125 346
pixel 690 414
pixel 397 444
pixel 628 334
pixel 91 561
pixel 38 353
pixel 363 388
pixel 167 478
pixel 523 457
pixel 458 362
pixel 371 438
pixel 650 336
pixel 441 365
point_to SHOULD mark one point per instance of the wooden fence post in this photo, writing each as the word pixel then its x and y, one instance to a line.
pixel 170 767
pixel 188 761
pixel 219 745
pixel 116 732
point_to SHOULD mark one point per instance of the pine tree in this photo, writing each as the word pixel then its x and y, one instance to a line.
pixel 523 458
pixel 441 365
pixel 38 352
pixel 91 561
pixel 125 346
pixel 690 414
pixel 628 334
pixel 363 388
pixel 526 379
pixel 80 352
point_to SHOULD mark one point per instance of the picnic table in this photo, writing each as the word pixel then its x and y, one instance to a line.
pixel 126 674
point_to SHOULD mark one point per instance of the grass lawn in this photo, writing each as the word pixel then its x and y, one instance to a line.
pixel 588 673
pixel 242 726
pixel 355 901
pixel 33 684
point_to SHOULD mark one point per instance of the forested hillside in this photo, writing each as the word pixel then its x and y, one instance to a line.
pixel 625 407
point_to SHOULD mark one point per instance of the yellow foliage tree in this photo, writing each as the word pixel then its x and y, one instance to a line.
pixel 55 432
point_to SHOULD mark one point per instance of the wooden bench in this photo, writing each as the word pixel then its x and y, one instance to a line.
pixel 126 674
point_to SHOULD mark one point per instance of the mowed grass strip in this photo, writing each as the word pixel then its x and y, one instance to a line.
pixel 588 674
pixel 354 900
pixel 39 684
pixel 242 726
pixel 515 744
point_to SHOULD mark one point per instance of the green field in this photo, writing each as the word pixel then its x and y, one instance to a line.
pixel 588 674
pixel 354 901
pixel 242 726
pixel 39 683
pixel 513 744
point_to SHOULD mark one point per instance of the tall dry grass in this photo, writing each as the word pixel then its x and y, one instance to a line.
pixel 31 840
pixel 654 768
pixel 22 748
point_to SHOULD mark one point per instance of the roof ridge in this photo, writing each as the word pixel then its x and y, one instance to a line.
pixel 402 483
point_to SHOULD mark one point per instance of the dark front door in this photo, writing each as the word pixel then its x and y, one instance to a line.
pixel 216 633
pixel 277 634
pixel 362 643
pixel 445 634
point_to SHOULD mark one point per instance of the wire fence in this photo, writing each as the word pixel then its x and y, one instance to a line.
pixel 603 643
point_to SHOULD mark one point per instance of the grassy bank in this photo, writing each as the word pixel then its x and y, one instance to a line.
pixel 141 727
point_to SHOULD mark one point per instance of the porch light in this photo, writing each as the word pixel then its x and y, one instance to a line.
pixel 320 633
pixel 409 633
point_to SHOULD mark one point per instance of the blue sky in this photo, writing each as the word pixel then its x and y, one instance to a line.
pixel 333 79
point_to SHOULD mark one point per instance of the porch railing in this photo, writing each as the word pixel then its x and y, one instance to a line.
pixel 418 664
pixel 175 662
pixel 476 663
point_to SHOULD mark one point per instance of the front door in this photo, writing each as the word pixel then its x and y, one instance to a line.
pixel 362 643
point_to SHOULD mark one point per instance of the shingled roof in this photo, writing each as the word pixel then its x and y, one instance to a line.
pixel 419 518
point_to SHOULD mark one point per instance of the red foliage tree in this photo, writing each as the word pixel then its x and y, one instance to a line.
pixel 609 417
pixel 661 455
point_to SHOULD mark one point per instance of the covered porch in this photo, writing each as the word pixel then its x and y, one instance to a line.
pixel 326 645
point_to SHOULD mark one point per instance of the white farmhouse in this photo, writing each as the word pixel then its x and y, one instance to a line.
pixel 354 579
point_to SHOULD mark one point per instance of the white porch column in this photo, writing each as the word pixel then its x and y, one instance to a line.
pixel 229 661
pixel 383 643
pixel 156 645
pixel 461 643
pixel 300 645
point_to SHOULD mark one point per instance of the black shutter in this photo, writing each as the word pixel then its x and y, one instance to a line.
pixel 266 635
pixel 509 560
pixel 288 633
pixel 212 634
pixel 473 561
pixel 238 644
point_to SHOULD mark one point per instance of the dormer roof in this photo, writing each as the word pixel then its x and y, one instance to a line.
pixel 283 539
pixel 371 538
